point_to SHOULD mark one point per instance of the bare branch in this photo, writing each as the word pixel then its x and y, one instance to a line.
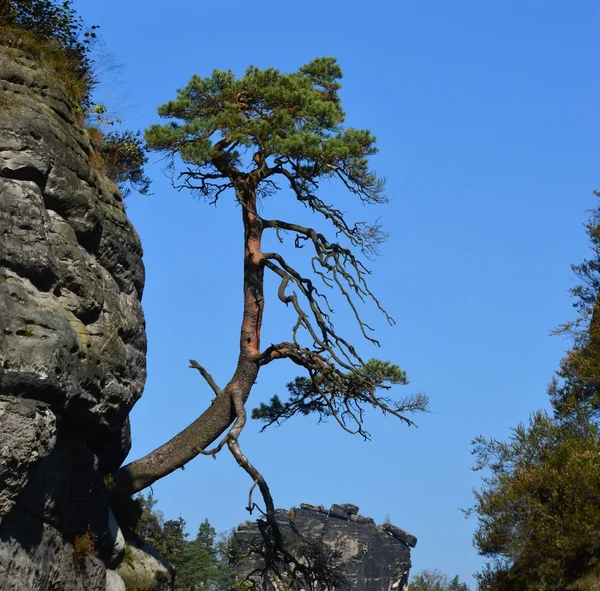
pixel 215 450
pixel 279 559
pixel 366 237
pixel 209 379
pixel 334 264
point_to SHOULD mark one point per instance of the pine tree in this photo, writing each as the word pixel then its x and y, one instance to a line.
pixel 539 507
pixel 434 580
pixel 201 564
pixel 248 137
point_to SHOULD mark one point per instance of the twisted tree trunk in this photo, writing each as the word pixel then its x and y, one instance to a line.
pixel 212 423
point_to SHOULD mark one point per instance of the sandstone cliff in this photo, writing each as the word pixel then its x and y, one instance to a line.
pixel 369 557
pixel 72 340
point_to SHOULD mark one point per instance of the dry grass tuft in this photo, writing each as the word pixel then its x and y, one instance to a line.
pixel 67 69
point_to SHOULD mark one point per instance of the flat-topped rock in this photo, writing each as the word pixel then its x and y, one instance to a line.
pixel 368 557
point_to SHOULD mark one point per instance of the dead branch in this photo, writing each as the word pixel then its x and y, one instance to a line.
pixel 209 379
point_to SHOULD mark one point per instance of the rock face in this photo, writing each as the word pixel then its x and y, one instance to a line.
pixel 369 557
pixel 72 339
pixel 143 569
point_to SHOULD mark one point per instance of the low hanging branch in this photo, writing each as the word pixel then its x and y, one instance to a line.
pixel 251 136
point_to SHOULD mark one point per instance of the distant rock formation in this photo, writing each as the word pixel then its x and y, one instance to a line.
pixel 72 340
pixel 369 557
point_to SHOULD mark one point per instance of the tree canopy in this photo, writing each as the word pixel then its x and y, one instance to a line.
pixel 201 564
pixel 434 580
pixel 268 125
pixel 252 137
pixel 578 383
pixel 539 506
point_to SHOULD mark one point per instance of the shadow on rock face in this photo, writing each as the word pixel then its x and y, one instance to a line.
pixel 34 555
pixel 72 338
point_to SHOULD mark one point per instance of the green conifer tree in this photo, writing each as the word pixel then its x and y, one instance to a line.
pixel 538 509
pixel 435 580
pixel 249 138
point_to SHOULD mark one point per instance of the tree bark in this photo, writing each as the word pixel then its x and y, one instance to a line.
pixel 212 423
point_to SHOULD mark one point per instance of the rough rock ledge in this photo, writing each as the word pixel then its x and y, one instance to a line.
pixel 72 339
pixel 370 557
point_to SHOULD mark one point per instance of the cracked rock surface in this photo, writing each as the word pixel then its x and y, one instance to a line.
pixel 72 336
pixel 370 557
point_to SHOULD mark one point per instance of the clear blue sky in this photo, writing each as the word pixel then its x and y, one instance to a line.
pixel 486 115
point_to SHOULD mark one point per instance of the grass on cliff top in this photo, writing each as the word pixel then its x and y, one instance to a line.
pixel 120 155
pixel 52 33
pixel 76 83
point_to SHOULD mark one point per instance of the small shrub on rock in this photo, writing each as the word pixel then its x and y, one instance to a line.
pixel 85 545
pixel 52 30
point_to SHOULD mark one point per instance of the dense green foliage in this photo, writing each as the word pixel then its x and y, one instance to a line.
pixel 292 122
pixel 578 385
pixel 201 564
pixel 539 509
pixel 434 580
pixel 539 506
